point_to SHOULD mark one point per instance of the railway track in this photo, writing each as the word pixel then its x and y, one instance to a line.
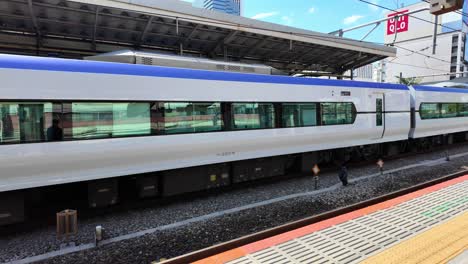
pixel 222 247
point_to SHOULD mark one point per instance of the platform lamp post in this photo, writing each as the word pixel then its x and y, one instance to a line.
pixel 316 171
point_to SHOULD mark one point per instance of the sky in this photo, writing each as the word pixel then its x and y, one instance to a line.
pixel 323 15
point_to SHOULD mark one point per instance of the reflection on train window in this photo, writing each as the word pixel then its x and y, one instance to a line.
pixel 9 123
pixel 443 110
pixel 25 122
pixel 463 109
pixel 448 110
pixel 253 115
pixel 37 122
pixel 105 120
pixel 131 119
pixel 429 110
pixel 299 114
pixel 337 113
pixel 190 117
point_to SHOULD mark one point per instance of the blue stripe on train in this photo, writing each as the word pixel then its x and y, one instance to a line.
pixel 68 65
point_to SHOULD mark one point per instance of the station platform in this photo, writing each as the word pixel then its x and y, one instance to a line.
pixel 426 226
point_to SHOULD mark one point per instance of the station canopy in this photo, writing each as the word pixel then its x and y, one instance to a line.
pixel 78 28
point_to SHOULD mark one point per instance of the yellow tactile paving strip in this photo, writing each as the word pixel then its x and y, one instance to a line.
pixel 437 245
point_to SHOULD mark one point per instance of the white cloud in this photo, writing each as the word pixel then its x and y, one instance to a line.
pixel 264 15
pixel 287 20
pixel 351 19
pixel 311 10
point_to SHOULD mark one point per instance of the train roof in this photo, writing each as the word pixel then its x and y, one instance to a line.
pixel 439 89
pixel 69 65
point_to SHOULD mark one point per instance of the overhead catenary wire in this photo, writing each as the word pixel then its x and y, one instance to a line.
pixel 410 50
pixel 439 74
pixel 422 54
pixel 393 10
pixel 417 66
pixel 409 54
pixel 398 46
pixel 428 56
pixel 417 52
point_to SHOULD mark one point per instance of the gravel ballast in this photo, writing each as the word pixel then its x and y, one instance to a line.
pixel 226 215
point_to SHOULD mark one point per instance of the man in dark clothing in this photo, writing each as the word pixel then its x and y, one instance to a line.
pixel 343 175
pixel 55 133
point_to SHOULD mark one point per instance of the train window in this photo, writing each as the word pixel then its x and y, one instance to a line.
pixel 253 115
pixel 462 109
pixel 337 113
pixel 378 106
pixel 105 120
pixel 54 122
pixel 91 120
pixel 179 117
pixel 299 114
pixel 448 110
pixel 27 122
pixel 443 110
pixel 429 110
pixel 9 123
pixel 131 119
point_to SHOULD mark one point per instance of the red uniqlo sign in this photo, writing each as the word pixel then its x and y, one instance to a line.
pixel 397 25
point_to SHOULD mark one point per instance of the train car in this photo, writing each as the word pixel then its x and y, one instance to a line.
pixel 439 111
pixel 175 130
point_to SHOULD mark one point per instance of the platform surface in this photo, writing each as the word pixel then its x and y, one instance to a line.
pixel 426 226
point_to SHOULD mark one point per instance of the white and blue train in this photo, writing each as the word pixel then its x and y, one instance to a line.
pixel 172 130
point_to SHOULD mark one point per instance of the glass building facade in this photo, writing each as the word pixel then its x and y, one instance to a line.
pixel 232 7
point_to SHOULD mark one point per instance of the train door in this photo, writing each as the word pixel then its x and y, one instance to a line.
pixel 31 122
pixel 380 115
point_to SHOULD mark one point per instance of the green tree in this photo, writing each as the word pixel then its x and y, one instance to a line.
pixel 409 80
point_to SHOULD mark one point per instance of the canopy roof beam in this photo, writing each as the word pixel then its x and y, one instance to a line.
pixel 96 18
pixel 145 30
pixel 226 40
pixel 35 24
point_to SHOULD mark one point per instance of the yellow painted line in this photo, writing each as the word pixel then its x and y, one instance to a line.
pixel 437 245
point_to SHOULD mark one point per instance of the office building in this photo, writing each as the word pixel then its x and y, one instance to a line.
pixel 232 7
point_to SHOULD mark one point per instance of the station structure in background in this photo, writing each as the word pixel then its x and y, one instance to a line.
pixel 79 28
